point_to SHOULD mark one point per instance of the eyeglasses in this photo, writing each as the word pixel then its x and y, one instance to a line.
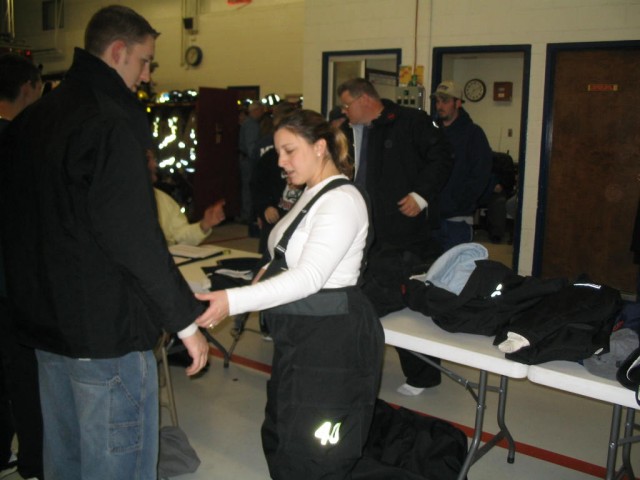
pixel 347 106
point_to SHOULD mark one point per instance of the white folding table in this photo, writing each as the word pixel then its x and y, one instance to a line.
pixel 417 333
pixel 574 378
pixel 199 282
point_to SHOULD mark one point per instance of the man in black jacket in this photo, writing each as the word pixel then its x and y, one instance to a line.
pixel 20 86
pixel 458 201
pixel 89 275
pixel 471 169
pixel 403 161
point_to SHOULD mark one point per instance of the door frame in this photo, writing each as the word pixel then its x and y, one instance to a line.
pixel 553 49
pixel 436 78
pixel 327 69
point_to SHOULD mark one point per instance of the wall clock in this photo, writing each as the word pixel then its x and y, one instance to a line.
pixel 475 90
pixel 193 56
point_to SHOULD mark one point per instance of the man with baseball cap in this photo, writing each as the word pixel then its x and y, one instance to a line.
pixel 458 202
pixel 471 170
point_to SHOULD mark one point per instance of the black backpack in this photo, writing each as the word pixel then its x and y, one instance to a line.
pixel 389 268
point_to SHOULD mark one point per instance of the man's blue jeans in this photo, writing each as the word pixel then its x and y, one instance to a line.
pixel 100 417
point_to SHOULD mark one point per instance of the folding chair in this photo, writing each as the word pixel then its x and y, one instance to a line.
pixel 164 378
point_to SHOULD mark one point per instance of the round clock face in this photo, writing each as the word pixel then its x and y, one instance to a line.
pixel 475 90
pixel 193 56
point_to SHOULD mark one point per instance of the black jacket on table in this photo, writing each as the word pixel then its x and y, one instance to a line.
pixel 88 270
pixel 406 153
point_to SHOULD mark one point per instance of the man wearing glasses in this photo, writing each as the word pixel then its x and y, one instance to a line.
pixel 403 161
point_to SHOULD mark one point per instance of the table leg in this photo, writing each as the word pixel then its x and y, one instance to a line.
pixel 477 434
pixel 210 338
pixel 614 435
pixel 502 406
pixel 239 323
pixel 476 452
pixel 629 427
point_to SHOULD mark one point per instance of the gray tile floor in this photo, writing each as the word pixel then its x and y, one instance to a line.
pixel 222 412
pixel 560 436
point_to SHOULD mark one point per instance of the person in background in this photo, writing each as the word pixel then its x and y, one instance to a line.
pixel 337 117
pixel 471 172
pixel 328 341
pixel 20 414
pixel 500 195
pixel 20 85
pixel 272 193
pixel 248 137
pixel 88 272
pixel 635 245
pixel 458 202
pixel 403 161
pixel 173 222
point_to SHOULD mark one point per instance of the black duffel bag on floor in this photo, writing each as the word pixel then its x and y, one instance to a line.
pixel 403 445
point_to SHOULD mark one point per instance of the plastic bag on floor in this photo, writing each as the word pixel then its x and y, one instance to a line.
pixel 177 456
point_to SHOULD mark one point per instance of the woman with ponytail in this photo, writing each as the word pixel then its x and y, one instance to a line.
pixel 328 341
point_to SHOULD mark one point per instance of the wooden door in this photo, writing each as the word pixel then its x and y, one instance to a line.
pixel 592 192
pixel 216 174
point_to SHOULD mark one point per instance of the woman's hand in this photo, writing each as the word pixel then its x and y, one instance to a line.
pixel 218 308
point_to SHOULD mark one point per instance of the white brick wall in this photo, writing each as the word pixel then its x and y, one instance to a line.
pixel 469 23
pixel 278 44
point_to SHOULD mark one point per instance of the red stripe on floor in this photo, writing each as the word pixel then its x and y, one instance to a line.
pixel 535 452
pixel 245 362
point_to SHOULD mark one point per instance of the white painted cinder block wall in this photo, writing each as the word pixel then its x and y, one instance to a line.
pixel 278 45
pixel 259 44
pixel 375 24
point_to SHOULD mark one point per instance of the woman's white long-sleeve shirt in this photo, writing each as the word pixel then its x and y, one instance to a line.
pixel 325 250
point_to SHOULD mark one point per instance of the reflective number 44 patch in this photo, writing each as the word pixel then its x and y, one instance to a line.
pixel 328 433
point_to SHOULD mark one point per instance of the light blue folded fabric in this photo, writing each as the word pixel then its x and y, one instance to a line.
pixel 453 268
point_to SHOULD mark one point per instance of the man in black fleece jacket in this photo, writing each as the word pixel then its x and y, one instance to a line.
pixel 471 167
pixel 469 179
pixel 89 276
